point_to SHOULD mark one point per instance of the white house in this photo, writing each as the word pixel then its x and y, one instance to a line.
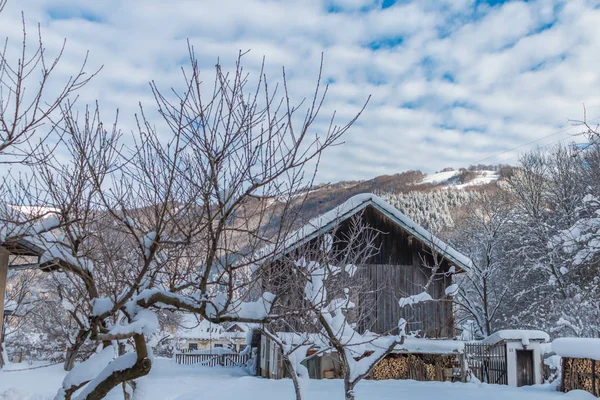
pixel 523 355
pixel 197 334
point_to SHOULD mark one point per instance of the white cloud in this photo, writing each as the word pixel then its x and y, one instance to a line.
pixel 452 82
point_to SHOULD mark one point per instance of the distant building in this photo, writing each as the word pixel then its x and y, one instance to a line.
pixel 197 334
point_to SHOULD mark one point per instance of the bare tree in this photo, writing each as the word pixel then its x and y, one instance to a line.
pixel 25 104
pixel 176 220
pixel 482 235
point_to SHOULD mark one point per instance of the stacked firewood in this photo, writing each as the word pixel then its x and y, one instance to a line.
pixel 391 368
pixel 581 374
pixel 422 367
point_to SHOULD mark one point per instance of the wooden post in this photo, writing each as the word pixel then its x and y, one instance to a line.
pixel 594 377
pixel 563 374
pixel 3 281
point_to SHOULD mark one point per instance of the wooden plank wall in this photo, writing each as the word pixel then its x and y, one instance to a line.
pixel 398 269
pixel 384 285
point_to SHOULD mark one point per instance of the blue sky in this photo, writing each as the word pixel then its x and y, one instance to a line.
pixel 453 82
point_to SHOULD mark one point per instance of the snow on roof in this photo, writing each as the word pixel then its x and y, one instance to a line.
pixel 40 211
pixel 525 336
pixel 358 203
pixel 430 346
pixel 40 236
pixel 193 328
pixel 577 348
pixel 411 344
pixel 243 327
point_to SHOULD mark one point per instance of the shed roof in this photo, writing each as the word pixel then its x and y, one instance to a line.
pixel 411 345
pixel 41 237
pixel 577 348
pixel 355 204
pixel 512 335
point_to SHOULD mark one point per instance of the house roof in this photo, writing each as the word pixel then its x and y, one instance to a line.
pixel 355 204
pixel 512 335
pixel 41 237
pixel 191 327
pixel 411 344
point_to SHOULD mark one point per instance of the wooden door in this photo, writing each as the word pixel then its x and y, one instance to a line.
pixel 525 374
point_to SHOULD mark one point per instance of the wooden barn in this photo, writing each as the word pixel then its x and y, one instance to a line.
pixel 409 261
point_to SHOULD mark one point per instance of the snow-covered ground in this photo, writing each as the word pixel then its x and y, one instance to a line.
pixel 169 381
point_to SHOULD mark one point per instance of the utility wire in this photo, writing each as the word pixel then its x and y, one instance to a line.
pixel 531 142
pixel 544 146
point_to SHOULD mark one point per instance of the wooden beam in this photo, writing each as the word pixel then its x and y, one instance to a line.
pixel 23 266
pixel 4 255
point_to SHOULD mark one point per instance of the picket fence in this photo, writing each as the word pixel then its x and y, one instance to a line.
pixel 212 360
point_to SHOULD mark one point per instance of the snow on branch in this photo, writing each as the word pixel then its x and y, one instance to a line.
pixel 143 322
pixel 120 364
pixel 252 310
pixel 415 299
pixel 86 371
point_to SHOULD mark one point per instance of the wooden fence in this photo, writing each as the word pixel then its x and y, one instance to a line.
pixel 212 360
pixel 487 362
pixel 581 374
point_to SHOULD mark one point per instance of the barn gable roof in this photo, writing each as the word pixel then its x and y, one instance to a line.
pixel 355 204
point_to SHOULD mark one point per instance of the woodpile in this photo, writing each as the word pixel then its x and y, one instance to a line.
pixel 581 374
pixel 420 367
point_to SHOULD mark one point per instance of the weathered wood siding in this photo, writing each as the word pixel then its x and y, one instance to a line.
pixel 400 267
pixel 386 284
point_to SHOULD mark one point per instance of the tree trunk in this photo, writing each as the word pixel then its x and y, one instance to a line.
pixel 298 391
pixel 4 255
pixel 349 389
pixel 70 359
pixel 488 327
pixel 73 351
pixel 139 369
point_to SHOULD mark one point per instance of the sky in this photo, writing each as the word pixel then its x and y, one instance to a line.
pixel 452 82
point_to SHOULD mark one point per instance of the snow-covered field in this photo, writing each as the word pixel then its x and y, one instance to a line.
pixel 169 381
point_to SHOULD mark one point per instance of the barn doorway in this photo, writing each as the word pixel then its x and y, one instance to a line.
pixel 525 374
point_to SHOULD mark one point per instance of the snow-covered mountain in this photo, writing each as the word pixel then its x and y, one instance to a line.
pixel 460 179
pixel 427 199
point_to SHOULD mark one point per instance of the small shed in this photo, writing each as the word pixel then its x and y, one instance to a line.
pixel 523 354
pixel 580 364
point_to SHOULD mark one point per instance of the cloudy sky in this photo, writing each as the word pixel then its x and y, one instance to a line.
pixel 453 82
